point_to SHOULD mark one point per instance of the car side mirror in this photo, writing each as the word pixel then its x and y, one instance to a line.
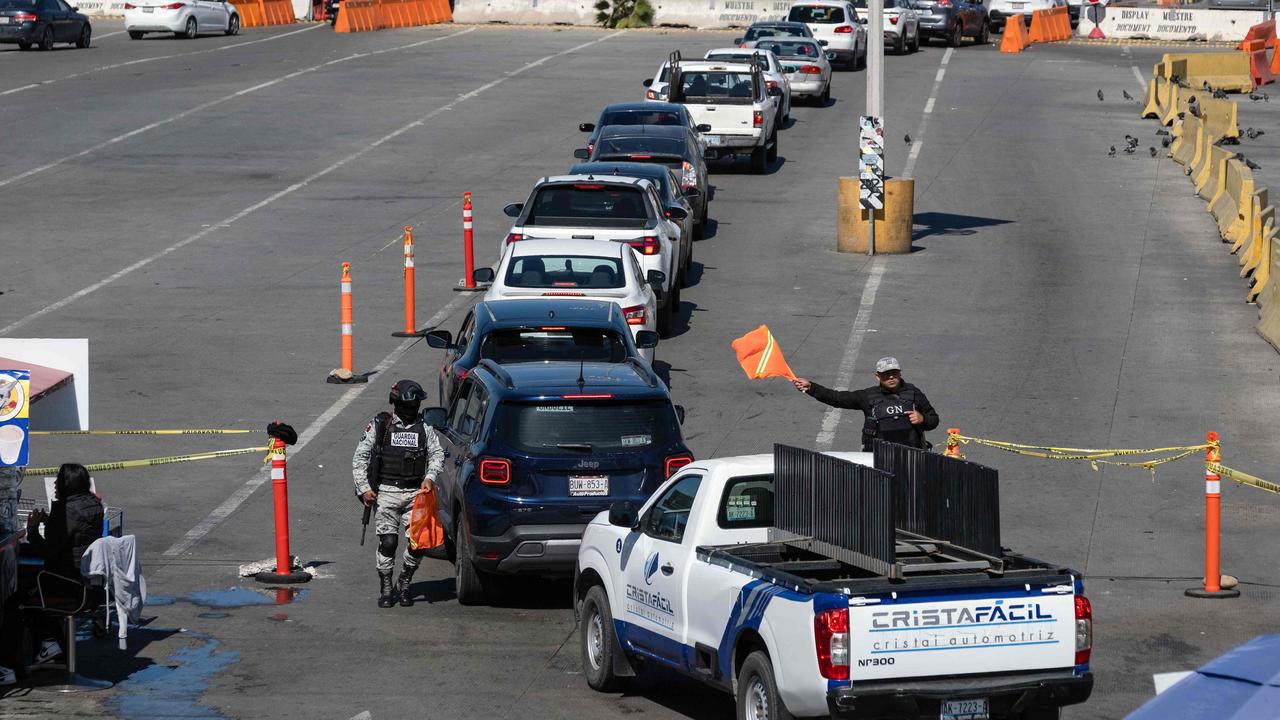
pixel 646 339
pixel 482 275
pixel 737 41
pixel 676 212
pixel 823 43
pixel 623 514
pixel 513 210
pixel 435 417
pixel 647 82
pixel 863 21
pixel 582 154
pixel 586 127
pixel 831 55
pixel 656 278
pixel 680 413
pixel 440 339
pixel 704 127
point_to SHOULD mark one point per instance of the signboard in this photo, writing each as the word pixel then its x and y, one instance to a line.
pixel 15 394
pixel 871 162
pixel 1167 23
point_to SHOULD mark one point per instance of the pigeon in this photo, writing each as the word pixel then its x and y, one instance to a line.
pixel 1207 86
pixel 1254 97
pixel 1162 131
pixel 1129 150
pixel 1153 151
pixel 1166 141
pixel 1250 164
pixel 1112 152
pixel 1126 94
pixel 1099 96
pixel 1175 79
pixel 1253 134
pixel 906 139
pixel 1133 142
pixel 1182 116
pixel 1129 138
pixel 1219 94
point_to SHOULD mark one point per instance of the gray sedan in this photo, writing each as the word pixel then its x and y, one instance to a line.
pixel 806 65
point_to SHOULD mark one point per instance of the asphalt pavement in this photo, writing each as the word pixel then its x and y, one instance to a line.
pixel 186 205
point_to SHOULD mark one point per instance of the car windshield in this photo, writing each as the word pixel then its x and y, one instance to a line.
pixel 564 271
pixel 638 117
pixel 516 345
pixel 604 426
pixel 792 48
pixel 818 14
pixel 597 204
pixel 719 85
pixel 764 31
pixel 639 148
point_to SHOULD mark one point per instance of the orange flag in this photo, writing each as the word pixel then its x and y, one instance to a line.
pixel 760 355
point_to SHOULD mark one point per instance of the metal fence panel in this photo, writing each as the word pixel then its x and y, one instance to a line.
pixel 943 498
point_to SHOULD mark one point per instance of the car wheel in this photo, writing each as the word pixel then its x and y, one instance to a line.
pixel 233 25
pixel 900 43
pixel 956 36
pixel 86 36
pixel 772 157
pixel 135 35
pixel 24 46
pixel 915 42
pixel 468 579
pixel 984 35
pixel 825 98
pixel 189 32
pixel 664 315
pixel 46 39
pixel 599 642
pixel 758 692
pixel 759 163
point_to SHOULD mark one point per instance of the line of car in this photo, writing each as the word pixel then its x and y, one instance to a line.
pixel 44 23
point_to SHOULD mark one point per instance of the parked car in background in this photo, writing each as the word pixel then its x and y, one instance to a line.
pixel 835 24
pixel 183 18
pixel 805 64
pixel 954 20
pixel 641 113
pixel 1002 10
pixel 901 24
pixel 774 77
pixel 41 23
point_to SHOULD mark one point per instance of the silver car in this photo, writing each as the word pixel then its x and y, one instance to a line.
pixel 773 75
pixel 806 64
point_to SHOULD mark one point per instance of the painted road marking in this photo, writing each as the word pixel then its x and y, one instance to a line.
pixel 917 140
pixel 844 376
pixel 218 101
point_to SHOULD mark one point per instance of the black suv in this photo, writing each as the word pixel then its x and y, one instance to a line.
pixel 534 451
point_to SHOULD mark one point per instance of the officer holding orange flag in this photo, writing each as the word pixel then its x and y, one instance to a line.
pixel 895 410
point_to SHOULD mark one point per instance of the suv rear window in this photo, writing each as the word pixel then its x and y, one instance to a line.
pixel 636 117
pixel 747 503
pixel 791 48
pixel 609 205
pixel 606 426
pixel 564 271
pixel 817 14
pixel 717 86
pixel 625 147
pixel 514 345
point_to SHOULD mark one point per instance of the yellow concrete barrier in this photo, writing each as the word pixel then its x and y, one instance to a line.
pixel 1262 276
pixel 1186 141
pixel 1209 182
pixel 1154 89
pixel 1263 224
pixel 1220 117
pixel 1227 71
pixel 1269 298
pixel 1169 109
pixel 1260 211
pixel 1232 208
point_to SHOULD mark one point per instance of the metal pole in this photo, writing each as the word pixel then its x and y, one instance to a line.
pixel 871 231
pixel 875 90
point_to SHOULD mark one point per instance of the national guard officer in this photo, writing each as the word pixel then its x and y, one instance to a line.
pixel 895 410
pixel 398 456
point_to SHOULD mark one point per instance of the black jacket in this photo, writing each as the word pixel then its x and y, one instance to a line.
pixel 71 528
pixel 891 426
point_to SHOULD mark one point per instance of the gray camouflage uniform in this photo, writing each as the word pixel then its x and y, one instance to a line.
pixel 394 504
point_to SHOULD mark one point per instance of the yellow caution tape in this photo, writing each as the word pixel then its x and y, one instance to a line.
pixel 149 462
pixel 1242 477
pixel 141 432
pixel 1094 456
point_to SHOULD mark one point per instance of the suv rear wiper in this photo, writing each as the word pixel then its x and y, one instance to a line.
pixel 585 447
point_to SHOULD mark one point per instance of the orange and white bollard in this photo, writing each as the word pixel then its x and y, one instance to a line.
pixel 284 572
pixel 348 345
pixel 952 448
pixel 468 244
pixel 409 285
pixel 1212 584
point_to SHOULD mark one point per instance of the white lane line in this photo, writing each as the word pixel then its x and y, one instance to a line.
pixel 110 34
pixel 917 141
pixel 218 101
pixel 844 376
pixel 1142 82
pixel 291 189
pixel 223 511
pixel 139 61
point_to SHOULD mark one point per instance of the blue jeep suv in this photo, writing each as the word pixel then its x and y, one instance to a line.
pixel 533 451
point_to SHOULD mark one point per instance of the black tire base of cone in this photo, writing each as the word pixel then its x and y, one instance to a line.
pixel 274 578
pixel 1200 592
pixel 354 379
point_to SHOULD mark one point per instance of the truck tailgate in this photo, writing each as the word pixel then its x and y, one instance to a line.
pixel 983 633
pixel 724 119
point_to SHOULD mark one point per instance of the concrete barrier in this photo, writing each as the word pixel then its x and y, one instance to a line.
pixel 1269 299
pixel 1262 275
pixel 1186 144
pixel 1233 208
pixel 1261 226
pixel 261 13
pixel 1259 211
pixel 369 15
pixel 1259 65
pixel 1161 23
pixel 1221 117
pixel 1170 106
pixel 681 13
pixel 1200 163
pixel 1151 109
pixel 1209 182
pixel 1227 70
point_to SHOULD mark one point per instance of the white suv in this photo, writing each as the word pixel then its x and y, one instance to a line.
pixel 835 24
pixel 607 208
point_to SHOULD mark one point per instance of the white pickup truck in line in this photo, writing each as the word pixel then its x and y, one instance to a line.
pixel 736 101
pixel 691 581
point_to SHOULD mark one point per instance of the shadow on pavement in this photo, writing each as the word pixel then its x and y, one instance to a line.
pixel 934 223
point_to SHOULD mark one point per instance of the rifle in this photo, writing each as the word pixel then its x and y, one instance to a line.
pixel 374 469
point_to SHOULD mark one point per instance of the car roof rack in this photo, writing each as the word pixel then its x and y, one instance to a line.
pixel 498 372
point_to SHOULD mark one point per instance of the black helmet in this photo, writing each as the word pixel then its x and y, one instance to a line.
pixel 407 392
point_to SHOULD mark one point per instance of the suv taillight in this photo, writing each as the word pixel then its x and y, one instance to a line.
pixel 772 84
pixel 757 118
pixel 811 70
pixel 844 29
pixel 688 176
pixel 893 19
pixel 512 237
pixel 130 6
pixel 675 462
pixel 647 245
pixel 634 314
pixel 1084 629
pixel 25 17
pixel 831 643
pixel 174 6
pixel 495 471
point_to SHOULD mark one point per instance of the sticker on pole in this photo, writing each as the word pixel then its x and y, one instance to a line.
pixel 871 162
pixel 15 394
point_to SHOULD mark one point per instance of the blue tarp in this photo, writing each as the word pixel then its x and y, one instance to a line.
pixel 1242 684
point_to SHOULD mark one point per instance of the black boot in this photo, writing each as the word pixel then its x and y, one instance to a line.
pixel 402 587
pixel 388 598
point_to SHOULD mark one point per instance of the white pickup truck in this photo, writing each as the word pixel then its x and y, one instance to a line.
pixel 691 581
pixel 736 101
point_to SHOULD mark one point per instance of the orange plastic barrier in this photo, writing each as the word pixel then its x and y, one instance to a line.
pixel 260 13
pixel 1259 65
pixel 1265 31
pixel 1014 39
pixel 366 15
pixel 1050 25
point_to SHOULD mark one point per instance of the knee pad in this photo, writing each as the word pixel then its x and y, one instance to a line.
pixel 387 545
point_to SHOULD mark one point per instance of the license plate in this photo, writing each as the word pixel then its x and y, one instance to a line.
pixel 145 9
pixel 971 709
pixel 4 19
pixel 1018 6
pixel 589 485
pixel 713 139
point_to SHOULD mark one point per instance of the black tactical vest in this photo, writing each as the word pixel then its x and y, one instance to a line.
pixel 404 456
pixel 887 418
